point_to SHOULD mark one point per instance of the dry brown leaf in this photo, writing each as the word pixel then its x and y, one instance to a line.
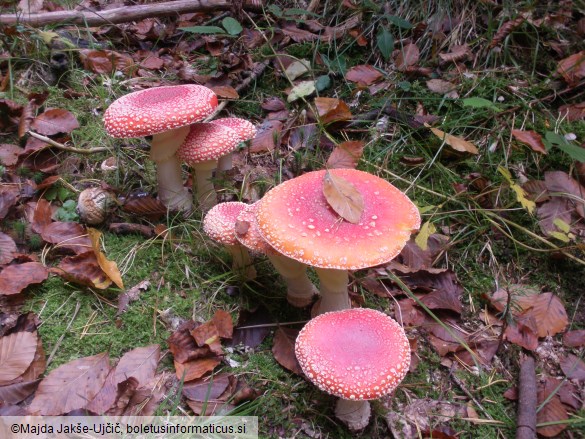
pixel 458 53
pixel 456 143
pixel 346 155
pixel 26 118
pixel 182 345
pixel 505 30
pixel 9 154
pixel 38 365
pixel 363 74
pixel 332 110
pixel 17 352
pixel 55 121
pixel 9 196
pixel 209 388
pixel 225 91
pixel 407 57
pixel 104 61
pixel 268 136
pixel 30 6
pixel 71 386
pixel 131 295
pixel 440 86
pixel 15 278
pixel 67 236
pixel 572 68
pixel 207 334
pixel 573 367
pixel 146 206
pixel 553 411
pixel 573 112
pixel 110 268
pixel 191 370
pixel 343 197
pixel 224 323
pixel 7 249
pixel 283 349
pixel 14 393
pixel 83 269
pixel 530 138
pixel 559 182
pixel 574 339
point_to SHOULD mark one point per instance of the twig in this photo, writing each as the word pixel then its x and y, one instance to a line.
pixel 505 320
pixel 463 387
pixel 67 148
pixel 125 14
pixel 526 420
pixel 54 351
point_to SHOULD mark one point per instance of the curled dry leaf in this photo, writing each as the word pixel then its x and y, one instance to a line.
pixel 55 121
pixel 15 278
pixel 71 386
pixel 343 197
pixel 17 352
pixel 346 155
pixel 224 324
pixel 83 269
pixel 457 143
pixel 530 138
pixel 283 349
pixel 110 268
pixel 7 249
pixel 458 53
pixel 332 110
pixel 194 369
pixel 226 91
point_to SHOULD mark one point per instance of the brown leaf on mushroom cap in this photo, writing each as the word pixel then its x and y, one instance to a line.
pixel 55 121
pixel 343 197
pixel 346 155
pixel 15 278
pixel 530 138
pixel 17 351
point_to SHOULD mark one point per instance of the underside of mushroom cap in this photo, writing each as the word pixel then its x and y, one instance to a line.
pixel 220 221
pixel 296 219
pixel 155 110
pixel 247 231
pixel 354 354
pixel 207 141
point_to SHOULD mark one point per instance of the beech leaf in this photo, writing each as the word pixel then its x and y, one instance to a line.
pixel 346 155
pixel 110 268
pixel 15 278
pixel 530 138
pixel 457 143
pixel 283 349
pixel 343 197
pixel 17 352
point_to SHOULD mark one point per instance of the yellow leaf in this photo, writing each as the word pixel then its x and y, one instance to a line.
pixel 561 225
pixel 422 238
pixel 560 236
pixel 527 204
pixel 343 197
pixel 110 268
pixel 457 143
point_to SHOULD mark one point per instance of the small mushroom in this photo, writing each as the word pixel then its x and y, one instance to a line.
pixel 165 113
pixel 204 145
pixel 94 205
pixel 356 354
pixel 219 224
pixel 296 219
pixel 245 131
pixel 300 291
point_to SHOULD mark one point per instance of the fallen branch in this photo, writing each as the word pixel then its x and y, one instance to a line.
pixel 122 15
pixel 62 147
pixel 526 421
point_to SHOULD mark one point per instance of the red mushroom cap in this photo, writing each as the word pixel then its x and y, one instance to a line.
pixel 250 237
pixel 207 141
pixel 245 129
pixel 296 219
pixel 155 110
pixel 220 221
pixel 354 354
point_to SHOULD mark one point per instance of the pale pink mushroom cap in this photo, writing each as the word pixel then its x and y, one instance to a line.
pixel 207 141
pixel 160 109
pixel 220 221
pixel 354 354
pixel 245 129
pixel 251 237
pixel 296 219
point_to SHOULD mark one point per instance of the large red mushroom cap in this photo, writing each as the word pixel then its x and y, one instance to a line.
pixel 207 141
pixel 160 109
pixel 220 221
pixel 244 129
pixel 354 354
pixel 296 219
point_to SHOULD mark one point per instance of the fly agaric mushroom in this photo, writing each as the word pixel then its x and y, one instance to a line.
pixel 296 219
pixel 165 113
pixel 355 354
pixel 299 288
pixel 245 131
pixel 203 146
pixel 219 224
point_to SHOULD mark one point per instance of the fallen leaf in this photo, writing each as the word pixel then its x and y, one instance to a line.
pixel 526 203
pixel 15 393
pixel 551 212
pixel 207 334
pixel 110 268
pixel 458 53
pixel 225 91
pixel 83 269
pixel 530 138
pixel 283 349
pixel 332 110
pixel 15 278
pixel 251 329
pixel 297 69
pixel 573 367
pixel 209 388
pixel 145 206
pixel 301 90
pixel 70 386
pixel 9 154
pixel 30 6
pixel 559 182
pixel 194 369
pixel 273 104
pixel 131 295
pixel 572 112
pixel 104 61
pixel 303 136
pixel 38 365
pixel 426 230
pixel 17 351
pixel 268 136
pixel 552 412
pixel 343 197
pixel 363 74
pixel 408 56
pixel 55 121
pixel 67 236
pixel 346 155
pixel 456 143
pixel 574 339
pixel 152 62
pixel 224 324
pixel 572 68
pixel 9 196
pixel 523 332
pixel 7 249
pixel 415 258
pixel 440 86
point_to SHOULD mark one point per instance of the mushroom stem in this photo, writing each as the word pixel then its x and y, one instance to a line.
pixel 241 261
pixel 224 163
pixel 202 184
pixel 333 288
pixel 299 288
pixel 354 414
pixel 168 169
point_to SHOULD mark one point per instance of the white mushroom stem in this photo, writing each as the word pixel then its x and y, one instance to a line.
pixel 202 184
pixel 354 414
pixel 333 289
pixel 299 288
pixel 168 169
pixel 225 163
pixel 241 261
